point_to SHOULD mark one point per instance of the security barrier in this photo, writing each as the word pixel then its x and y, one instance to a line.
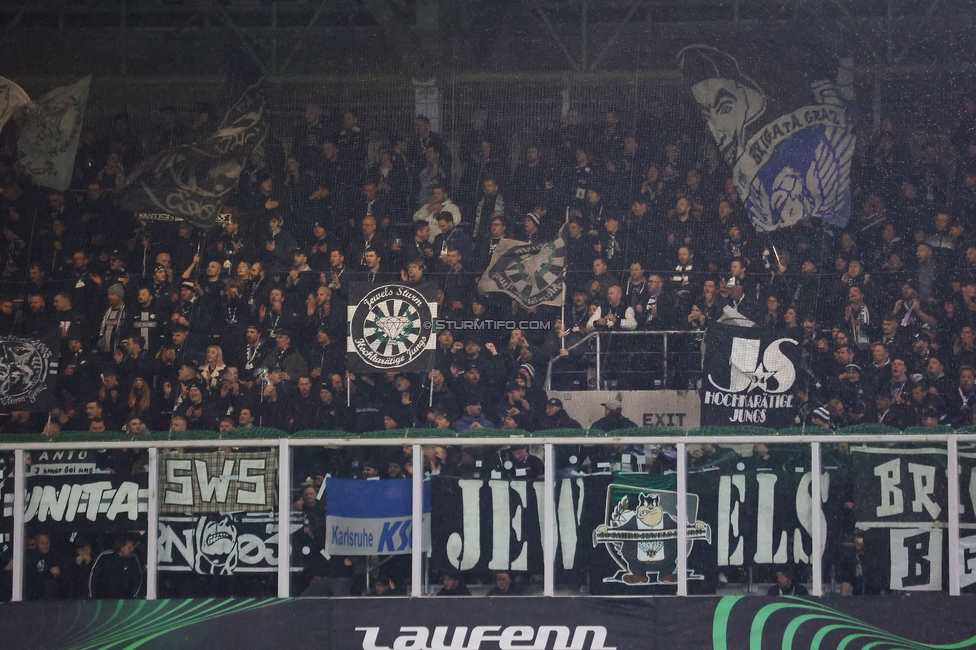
pixel 416 439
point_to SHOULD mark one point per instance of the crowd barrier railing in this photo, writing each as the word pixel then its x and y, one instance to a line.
pixel 417 439
pixel 640 346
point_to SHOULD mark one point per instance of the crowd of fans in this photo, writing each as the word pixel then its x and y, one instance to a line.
pixel 164 327
pixel 167 327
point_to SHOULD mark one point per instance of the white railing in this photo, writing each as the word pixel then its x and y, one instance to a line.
pixel 286 445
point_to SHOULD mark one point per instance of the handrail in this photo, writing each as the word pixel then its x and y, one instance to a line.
pixel 596 334
pixel 285 446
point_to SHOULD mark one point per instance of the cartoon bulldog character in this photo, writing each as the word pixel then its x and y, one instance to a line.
pixel 643 541
pixel 216 545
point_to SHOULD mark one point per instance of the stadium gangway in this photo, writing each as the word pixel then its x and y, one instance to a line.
pixel 418 438
pixel 597 337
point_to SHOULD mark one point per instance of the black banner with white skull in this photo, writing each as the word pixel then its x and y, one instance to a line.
pixel 198 482
pixel 222 543
pixel 28 371
pixel 391 327
pixel 749 376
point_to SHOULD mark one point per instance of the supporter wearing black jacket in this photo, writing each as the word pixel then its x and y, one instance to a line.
pixel 116 574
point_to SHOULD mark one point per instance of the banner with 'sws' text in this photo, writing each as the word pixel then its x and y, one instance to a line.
pixel 198 482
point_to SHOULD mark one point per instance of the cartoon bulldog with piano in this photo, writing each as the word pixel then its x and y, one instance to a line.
pixel 643 539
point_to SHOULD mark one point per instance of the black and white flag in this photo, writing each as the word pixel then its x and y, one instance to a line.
pixel 222 543
pixel 532 274
pixel 201 482
pixel 787 133
pixel 191 181
pixel 49 133
pixel 902 504
pixel 391 327
pixel 28 371
pixel 12 97
pixel 749 376
pixel 92 503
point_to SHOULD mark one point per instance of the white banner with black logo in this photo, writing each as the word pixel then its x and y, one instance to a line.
pixel 749 376
pixel 391 327
pixel 201 482
pixel 222 543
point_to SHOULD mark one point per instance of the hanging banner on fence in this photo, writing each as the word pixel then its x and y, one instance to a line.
pixel 967 517
pixel 50 129
pixel 740 516
pixel 63 462
pixel 749 376
pixel 648 408
pixel 201 482
pixel 222 543
pixel 902 503
pixel 796 166
pixel 28 371
pixel 532 274
pixel 89 503
pixel 391 327
pixel 372 517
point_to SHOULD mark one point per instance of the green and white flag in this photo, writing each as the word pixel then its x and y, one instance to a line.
pixel 532 274
pixel 49 132
pixel 12 97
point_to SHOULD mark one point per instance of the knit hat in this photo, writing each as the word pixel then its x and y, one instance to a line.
pixel 536 219
pixel 117 290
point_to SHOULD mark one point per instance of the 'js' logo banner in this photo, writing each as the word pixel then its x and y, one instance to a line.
pixel 372 517
pixel 749 376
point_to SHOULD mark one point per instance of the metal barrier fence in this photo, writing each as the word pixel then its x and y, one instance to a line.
pixel 629 361
pixel 285 446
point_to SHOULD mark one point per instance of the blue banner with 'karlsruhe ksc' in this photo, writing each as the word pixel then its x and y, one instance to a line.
pixel 372 517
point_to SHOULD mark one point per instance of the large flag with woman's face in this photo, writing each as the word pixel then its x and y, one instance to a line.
pixel 787 133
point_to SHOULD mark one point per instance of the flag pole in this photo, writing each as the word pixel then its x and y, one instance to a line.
pixel 562 316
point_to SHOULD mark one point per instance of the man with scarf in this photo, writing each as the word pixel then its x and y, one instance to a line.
pixel 111 333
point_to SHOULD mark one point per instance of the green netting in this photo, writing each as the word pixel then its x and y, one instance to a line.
pixel 562 433
pixel 646 432
pixel 252 433
pixel 321 433
pixel 494 433
pixel 867 427
pixel 808 431
pixel 429 433
pixel 714 432
pixel 937 430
